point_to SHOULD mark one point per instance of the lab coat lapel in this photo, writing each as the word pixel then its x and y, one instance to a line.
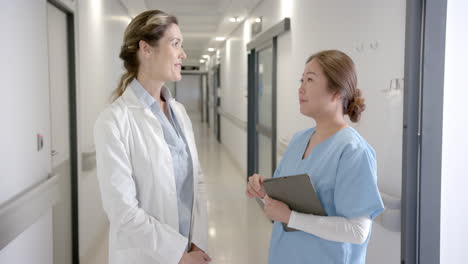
pixel 158 149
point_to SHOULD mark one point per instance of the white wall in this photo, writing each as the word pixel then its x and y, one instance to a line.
pixel 34 245
pixel 351 26
pixel 233 59
pixel 100 27
pixel 454 198
pixel 24 112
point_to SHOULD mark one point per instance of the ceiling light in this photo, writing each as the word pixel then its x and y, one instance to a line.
pixel 211 49
pixel 206 56
pixel 220 38
pixel 202 61
pixel 258 20
pixel 235 19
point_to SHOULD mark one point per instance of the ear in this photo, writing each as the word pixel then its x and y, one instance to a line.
pixel 145 48
pixel 337 97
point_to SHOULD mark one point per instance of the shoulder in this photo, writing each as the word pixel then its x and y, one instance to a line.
pixel 354 144
pixel 112 115
pixel 302 135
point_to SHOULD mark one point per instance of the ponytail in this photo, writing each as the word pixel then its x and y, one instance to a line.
pixel 125 80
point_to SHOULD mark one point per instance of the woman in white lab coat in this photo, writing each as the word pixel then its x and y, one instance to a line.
pixel 147 163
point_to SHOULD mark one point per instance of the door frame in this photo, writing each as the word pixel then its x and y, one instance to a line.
pixel 272 134
pixel 201 74
pixel 264 40
pixel 69 10
pixel 422 131
pixel 217 101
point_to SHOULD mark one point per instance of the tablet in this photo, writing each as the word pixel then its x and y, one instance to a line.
pixel 297 192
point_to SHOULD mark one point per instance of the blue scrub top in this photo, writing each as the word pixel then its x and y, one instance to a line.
pixel 343 171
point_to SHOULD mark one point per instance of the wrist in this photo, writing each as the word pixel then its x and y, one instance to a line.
pixel 182 259
pixel 194 247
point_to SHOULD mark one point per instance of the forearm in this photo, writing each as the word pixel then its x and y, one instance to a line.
pixel 334 228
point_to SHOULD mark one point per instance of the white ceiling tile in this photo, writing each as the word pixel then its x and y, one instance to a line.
pixel 202 20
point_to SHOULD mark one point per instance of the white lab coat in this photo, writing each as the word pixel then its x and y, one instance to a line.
pixel 138 189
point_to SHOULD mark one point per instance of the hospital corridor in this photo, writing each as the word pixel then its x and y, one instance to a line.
pixel 233 132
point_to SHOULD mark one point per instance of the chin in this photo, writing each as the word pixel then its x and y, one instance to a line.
pixel 301 109
pixel 305 112
pixel 177 77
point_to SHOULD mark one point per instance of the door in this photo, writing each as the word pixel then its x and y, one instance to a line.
pixel 59 92
pixel 189 94
pixel 262 111
pixel 264 126
pixel 217 101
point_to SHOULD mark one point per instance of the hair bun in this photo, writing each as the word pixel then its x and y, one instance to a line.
pixel 356 106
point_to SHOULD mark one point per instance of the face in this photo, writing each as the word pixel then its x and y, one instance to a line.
pixel 164 62
pixel 315 99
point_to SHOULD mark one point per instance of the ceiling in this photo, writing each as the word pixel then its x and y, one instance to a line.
pixel 200 20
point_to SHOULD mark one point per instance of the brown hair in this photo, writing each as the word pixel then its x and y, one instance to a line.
pixel 148 26
pixel 340 72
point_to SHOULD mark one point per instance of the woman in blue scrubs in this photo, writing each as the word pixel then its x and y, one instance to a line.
pixel 341 165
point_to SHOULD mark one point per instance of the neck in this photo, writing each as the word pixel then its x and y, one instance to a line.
pixel 329 125
pixel 151 85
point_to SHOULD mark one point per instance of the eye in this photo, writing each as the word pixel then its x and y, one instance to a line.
pixel 175 43
pixel 301 80
pixel 309 79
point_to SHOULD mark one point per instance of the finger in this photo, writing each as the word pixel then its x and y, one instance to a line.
pixel 256 183
pixel 253 191
pixel 201 257
pixel 207 258
pixel 252 177
pixel 250 194
pixel 262 192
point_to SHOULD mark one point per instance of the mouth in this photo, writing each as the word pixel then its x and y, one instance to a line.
pixel 178 65
pixel 301 101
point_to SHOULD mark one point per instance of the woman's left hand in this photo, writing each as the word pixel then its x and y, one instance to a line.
pixel 276 210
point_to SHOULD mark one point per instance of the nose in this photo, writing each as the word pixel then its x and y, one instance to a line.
pixel 301 89
pixel 183 55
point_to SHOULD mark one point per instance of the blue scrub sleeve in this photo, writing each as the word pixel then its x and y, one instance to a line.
pixel 356 191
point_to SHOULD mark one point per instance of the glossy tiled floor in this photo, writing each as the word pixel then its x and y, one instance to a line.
pixel 239 233
pixel 238 230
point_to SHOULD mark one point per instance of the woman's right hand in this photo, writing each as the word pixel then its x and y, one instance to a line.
pixel 195 257
pixel 255 187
